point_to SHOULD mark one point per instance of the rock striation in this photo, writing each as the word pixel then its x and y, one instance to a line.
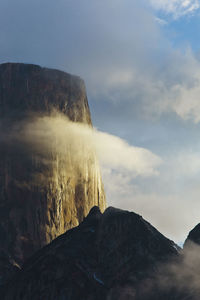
pixel 44 190
pixel 25 88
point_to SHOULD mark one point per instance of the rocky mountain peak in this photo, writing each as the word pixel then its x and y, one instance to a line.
pixel 108 256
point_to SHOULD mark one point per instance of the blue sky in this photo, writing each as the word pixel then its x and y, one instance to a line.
pixel 141 64
pixel 182 32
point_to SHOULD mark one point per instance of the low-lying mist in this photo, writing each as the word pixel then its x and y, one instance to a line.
pixel 175 279
pixel 181 276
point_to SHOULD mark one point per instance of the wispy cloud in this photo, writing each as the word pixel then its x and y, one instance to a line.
pixel 44 134
pixel 160 21
pixel 176 8
pixel 126 60
pixel 169 201
pixel 117 155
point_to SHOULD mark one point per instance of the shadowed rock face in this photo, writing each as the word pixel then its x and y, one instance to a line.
pixel 42 193
pixel 194 236
pixel 28 88
pixel 111 256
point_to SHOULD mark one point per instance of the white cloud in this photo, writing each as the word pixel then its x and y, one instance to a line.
pixel 172 213
pixel 181 93
pixel 176 8
pixel 160 21
pixel 114 153
pixel 170 85
pixel 117 155
pixel 169 201
pixel 125 59
pixel 131 64
pixel 187 104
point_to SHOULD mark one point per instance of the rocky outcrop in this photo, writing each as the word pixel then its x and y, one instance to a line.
pixel 26 88
pixel 113 256
pixel 116 255
pixel 44 189
pixel 193 236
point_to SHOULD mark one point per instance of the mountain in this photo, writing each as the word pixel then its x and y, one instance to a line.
pixel 115 255
pixel 111 256
pixel 25 88
pixel 44 188
pixel 193 236
pixel 57 240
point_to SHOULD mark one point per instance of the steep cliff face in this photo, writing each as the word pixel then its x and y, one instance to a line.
pixel 44 188
pixel 26 88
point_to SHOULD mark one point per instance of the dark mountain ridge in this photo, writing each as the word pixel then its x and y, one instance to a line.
pixel 113 256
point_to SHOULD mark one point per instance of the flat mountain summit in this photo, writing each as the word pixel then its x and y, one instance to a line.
pixel 28 88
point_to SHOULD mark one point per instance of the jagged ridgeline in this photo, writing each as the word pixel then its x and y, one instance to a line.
pixel 49 173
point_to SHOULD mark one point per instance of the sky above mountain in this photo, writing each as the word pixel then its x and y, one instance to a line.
pixel 140 60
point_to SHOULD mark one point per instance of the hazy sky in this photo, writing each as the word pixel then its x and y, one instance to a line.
pixel 140 60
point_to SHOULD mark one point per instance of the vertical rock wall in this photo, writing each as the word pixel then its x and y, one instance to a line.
pixel 43 191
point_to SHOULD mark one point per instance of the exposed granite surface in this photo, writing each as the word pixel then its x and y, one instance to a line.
pixel 25 88
pixel 42 193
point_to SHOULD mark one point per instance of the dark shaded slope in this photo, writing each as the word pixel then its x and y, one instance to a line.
pixel 115 255
pixel 194 235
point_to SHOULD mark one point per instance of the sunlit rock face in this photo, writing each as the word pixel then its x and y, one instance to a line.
pixel 49 175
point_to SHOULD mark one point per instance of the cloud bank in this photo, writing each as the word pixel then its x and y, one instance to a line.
pixel 47 132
